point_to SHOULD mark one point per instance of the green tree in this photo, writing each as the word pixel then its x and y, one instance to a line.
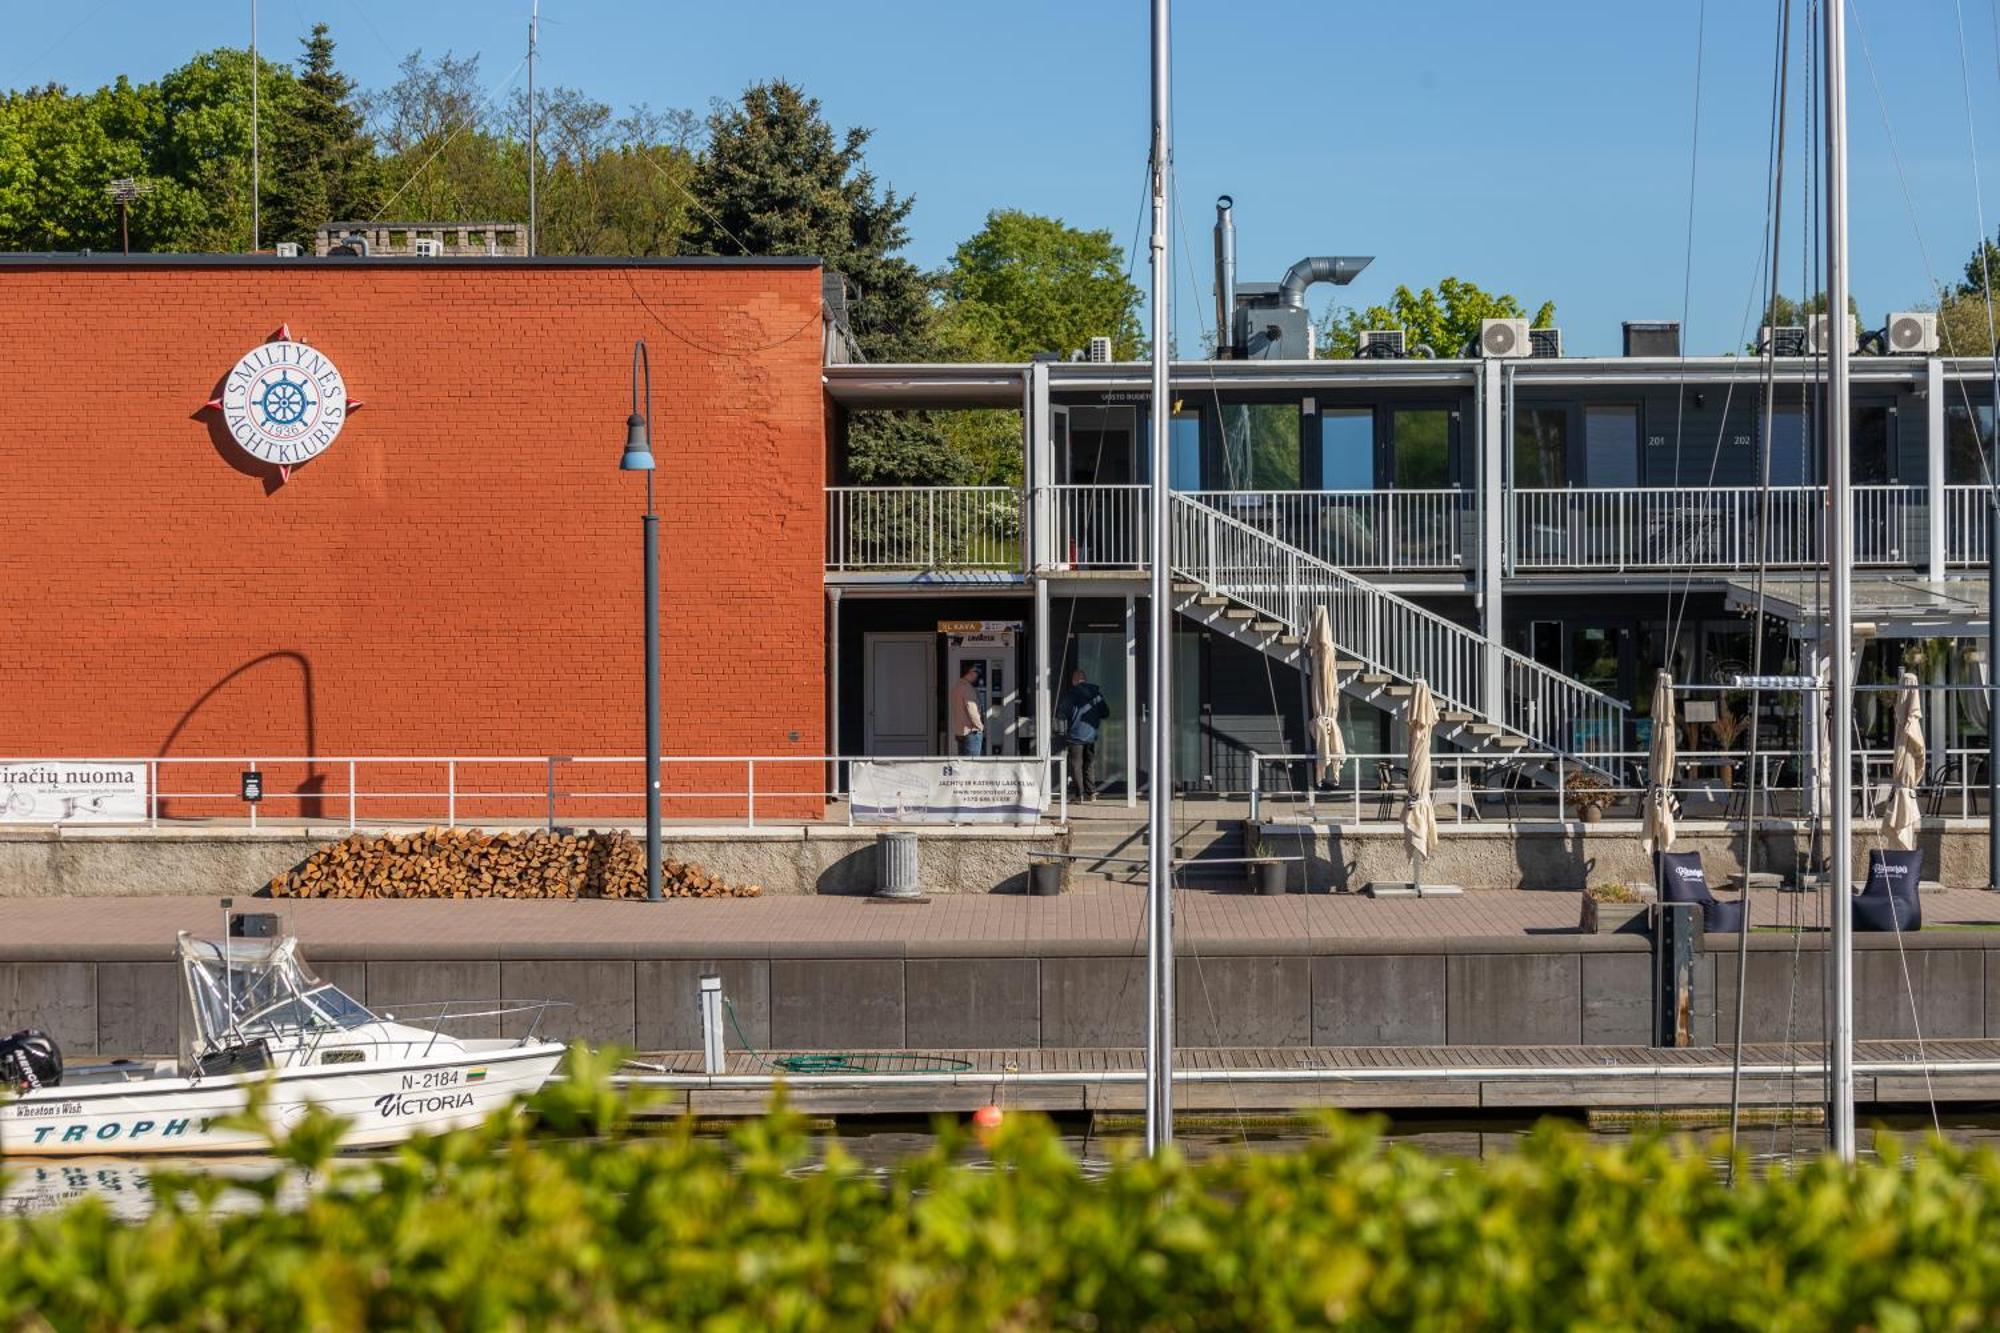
pixel 1965 325
pixel 322 165
pixel 1444 318
pixel 1027 283
pixel 776 180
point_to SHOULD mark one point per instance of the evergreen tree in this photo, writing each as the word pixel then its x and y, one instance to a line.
pixel 774 180
pixel 323 164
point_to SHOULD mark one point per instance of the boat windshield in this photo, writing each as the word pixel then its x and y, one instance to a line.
pixel 257 988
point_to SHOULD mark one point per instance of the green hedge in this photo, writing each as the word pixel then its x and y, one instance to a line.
pixel 501 1228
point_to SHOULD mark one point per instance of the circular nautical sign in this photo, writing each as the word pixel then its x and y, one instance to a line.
pixel 284 403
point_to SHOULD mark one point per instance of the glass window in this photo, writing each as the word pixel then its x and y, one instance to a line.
pixel 1184 451
pixel 1541 447
pixel 1790 463
pixel 1593 655
pixel 1611 446
pixel 1420 441
pixel 1873 460
pixel 1347 449
pixel 1261 447
pixel 1963 450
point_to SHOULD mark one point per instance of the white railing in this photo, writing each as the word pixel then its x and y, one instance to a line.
pixel 923 527
pixel 377 791
pixel 1376 530
pixel 1889 523
pixel 1387 633
pixel 1708 784
pixel 1705 527
pixel 1098 527
pixel 1965 522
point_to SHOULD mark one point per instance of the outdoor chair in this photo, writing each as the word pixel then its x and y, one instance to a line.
pixel 1888 900
pixel 1941 783
pixel 1390 785
pixel 1681 880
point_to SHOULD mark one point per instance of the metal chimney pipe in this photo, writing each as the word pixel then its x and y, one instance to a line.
pixel 1337 269
pixel 1225 278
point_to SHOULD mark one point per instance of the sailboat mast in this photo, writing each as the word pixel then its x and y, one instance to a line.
pixel 1840 613
pixel 534 23
pixel 1160 861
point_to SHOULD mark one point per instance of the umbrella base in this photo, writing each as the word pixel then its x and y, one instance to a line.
pixel 1403 888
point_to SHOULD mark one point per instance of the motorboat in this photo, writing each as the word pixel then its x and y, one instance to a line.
pixel 253 1014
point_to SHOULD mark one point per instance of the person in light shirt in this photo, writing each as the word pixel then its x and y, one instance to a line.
pixel 968 720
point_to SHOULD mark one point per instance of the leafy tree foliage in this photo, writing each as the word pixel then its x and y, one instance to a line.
pixel 1027 283
pixel 1445 318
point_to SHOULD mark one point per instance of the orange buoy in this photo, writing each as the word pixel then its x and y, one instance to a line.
pixel 988 1117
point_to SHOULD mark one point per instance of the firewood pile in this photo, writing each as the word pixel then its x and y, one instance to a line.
pixel 468 863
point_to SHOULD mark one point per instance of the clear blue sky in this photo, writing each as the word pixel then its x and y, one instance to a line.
pixel 1541 148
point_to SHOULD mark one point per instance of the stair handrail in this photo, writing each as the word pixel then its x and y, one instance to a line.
pixel 1368 621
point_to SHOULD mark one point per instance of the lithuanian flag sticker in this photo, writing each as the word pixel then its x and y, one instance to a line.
pixel 474 1075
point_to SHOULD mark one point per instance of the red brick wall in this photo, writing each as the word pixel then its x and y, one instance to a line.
pixel 460 572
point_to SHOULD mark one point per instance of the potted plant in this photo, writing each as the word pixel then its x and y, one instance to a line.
pixel 1728 729
pixel 1588 794
pixel 1612 906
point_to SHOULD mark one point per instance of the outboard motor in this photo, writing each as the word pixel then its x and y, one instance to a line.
pixel 29 1060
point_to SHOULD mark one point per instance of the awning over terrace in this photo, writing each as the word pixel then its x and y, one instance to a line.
pixel 1897 606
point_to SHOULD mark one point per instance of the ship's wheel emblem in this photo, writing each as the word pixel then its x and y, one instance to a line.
pixel 284 402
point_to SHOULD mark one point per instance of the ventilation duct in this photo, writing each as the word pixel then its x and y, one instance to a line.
pixel 1225 276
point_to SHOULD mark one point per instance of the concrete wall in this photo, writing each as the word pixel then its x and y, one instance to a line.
pixel 784 860
pixel 1557 991
pixel 1573 855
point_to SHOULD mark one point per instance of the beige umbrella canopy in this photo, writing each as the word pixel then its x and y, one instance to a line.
pixel 1657 834
pixel 1899 812
pixel 1420 830
pixel 1328 745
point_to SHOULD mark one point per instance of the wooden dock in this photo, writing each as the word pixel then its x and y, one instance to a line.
pixel 1291 1078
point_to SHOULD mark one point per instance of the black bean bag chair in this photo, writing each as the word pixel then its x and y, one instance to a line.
pixel 1888 900
pixel 1681 880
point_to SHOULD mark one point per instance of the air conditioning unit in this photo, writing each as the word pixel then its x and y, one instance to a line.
pixel 1652 337
pixel 1100 350
pixel 1912 333
pixel 1503 337
pixel 1545 342
pixel 1784 340
pixel 427 247
pixel 288 249
pixel 1380 343
pixel 1817 333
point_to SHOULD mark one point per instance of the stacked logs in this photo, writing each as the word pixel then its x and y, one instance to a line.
pixel 469 863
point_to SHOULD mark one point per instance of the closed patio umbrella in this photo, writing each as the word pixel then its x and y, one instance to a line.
pixel 1329 746
pixel 1420 831
pixel 1657 834
pixel 1899 812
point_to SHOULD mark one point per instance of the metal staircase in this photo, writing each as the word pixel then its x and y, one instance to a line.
pixel 1259 590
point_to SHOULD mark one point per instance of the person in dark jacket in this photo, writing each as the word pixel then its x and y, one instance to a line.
pixel 1082 711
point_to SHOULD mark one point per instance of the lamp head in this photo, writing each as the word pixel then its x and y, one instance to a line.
pixel 638 446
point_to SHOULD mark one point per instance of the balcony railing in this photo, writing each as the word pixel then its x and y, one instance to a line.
pixel 923 527
pixel 919 528
pixel 1698 527
pixel 1371 530
pixel 1098 527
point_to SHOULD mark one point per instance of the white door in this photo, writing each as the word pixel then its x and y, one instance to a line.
pixel 899 680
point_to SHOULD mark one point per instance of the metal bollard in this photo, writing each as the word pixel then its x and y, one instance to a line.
pixel 711 1025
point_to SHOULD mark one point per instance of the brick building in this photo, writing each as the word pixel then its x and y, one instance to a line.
pixel 459 572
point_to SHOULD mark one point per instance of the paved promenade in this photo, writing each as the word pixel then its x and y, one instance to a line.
pixel 1088 919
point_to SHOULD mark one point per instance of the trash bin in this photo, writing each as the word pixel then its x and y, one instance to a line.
pixel 1047 876
pixel 896 865
pixel 1267 877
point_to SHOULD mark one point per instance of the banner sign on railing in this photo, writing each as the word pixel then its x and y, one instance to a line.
pixel 947 791
pixel 72 791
